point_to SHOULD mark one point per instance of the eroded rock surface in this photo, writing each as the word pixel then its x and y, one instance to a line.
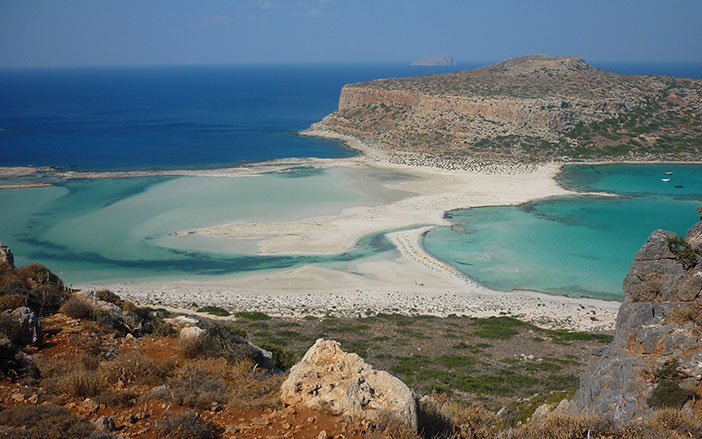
pixel 329 379
pixel 6 256
pixel 658 325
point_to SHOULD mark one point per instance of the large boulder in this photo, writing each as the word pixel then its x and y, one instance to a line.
pixel 658 326
pixel 341 383
pixel 6 256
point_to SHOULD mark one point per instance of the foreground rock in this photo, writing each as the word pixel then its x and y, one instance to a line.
pixel 655 359
pixel 329 379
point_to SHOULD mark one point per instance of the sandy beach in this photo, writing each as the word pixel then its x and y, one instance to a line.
pixel 411 281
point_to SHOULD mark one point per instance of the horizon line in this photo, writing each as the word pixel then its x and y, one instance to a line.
pixel 302 63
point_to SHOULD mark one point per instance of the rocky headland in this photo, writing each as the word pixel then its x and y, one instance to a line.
pixel 655 359
pixel 530 109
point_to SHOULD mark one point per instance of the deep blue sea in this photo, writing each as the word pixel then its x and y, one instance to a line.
pixel 216 116
pixel 188 116
pixel 173 117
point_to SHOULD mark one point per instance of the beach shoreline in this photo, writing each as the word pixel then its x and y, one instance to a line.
pixel 410 282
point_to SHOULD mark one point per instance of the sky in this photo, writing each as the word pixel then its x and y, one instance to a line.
pixel 146 32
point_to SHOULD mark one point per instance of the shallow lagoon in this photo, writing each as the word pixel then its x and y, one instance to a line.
pixel 574 245
pixel 123 229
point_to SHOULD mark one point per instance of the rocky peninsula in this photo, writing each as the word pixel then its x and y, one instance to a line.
pixel 530 109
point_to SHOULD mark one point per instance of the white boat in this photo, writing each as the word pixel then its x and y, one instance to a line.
pixel 668 172
pixel 665 179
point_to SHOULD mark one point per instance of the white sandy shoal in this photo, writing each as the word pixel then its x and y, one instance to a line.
pixel 437 191
pixel 412 282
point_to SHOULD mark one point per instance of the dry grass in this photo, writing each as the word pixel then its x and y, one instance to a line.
pixel 12 301
pixel 196 388
pixel 663 424
pixel 390 427
pixel 86 375
pixel 133 367
pixel 43 422
pixel 250 387
pixel 691 312
pixel 185 425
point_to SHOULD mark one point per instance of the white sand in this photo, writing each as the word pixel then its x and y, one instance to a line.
pixel 412 282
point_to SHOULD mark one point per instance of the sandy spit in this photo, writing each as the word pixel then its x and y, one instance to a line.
pixel 409 282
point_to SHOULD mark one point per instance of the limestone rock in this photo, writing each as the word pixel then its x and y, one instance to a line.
pixel 694 235
pixel 620 377
pixel 104 423
pixel 28 322
pixel 658 275
pixel 6 256
pixel 190 333
pixel 329 379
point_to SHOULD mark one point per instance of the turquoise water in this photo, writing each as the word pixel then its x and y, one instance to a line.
pixel 123 229
pixel 574 245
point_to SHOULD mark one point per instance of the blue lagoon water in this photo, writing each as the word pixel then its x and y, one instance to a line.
pixel 576 245
pixel 124 229
pixel 217 116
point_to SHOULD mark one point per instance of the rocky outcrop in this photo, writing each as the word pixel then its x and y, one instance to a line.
pixel 329 379
pixel 535 107
pixel 655 359
pixel 6 256
pixel 28 325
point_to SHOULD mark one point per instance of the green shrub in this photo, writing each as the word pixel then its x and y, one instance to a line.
pixel 501 328
pixel 683 252
pixel 667 392
pixel 214 310
pixel 282 358
pixel 252 315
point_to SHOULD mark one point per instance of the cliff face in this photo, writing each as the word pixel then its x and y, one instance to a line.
pixel 655 359
pixel 535 107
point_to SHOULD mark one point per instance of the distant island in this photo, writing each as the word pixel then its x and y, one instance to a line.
pixel 534 109
pixel 436 60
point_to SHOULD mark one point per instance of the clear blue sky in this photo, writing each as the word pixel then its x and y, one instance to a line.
pixel 107 32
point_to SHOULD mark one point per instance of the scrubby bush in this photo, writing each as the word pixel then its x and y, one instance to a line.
pixel 42 290
pixel 688 312
pixel 252 315
pixel 133 367
pixel 220 341
pixel 250 387
pixel 667 391
pixel 78 376
pixel 185 425
pixel 78 308
pixel 43 422
pixel 283 359
pixel 12 301
pixel 196 388
pixel 214 310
